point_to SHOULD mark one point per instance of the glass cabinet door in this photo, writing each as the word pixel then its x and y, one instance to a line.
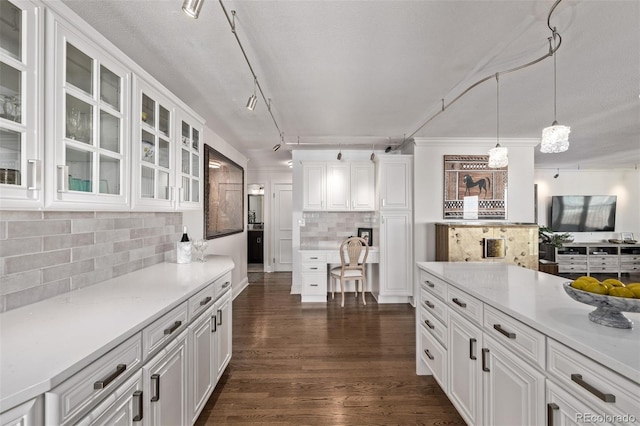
pixel 91 120
pixel 190 173
pixel 20 150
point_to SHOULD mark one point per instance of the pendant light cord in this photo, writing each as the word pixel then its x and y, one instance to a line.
pixel 497 110
pixel 555 78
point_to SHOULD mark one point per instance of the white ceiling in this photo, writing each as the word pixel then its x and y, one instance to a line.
pixel 362 72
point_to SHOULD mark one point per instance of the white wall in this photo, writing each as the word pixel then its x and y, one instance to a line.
pixel 624 183
pixel 268 178
pixel 429 184
pixel 234 245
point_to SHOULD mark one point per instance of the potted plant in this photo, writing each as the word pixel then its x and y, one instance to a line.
pixel 547 236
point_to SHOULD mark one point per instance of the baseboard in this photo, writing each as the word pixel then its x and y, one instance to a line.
pixel 237 289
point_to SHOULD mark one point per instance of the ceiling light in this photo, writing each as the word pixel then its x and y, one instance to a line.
pixel 276 147
pixel 498 156
pixel 192 8
pixel 251 103
pixel 339 155
pixel 555 138
pixel 557 174
pixel 373 154
pixel 387 149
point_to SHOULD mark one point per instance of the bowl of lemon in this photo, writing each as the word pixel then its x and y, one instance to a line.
pixel 611 297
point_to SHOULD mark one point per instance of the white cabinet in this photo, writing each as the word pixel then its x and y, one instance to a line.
pixel 222 330
pixel 396 257
pixel 338 186
pixel 395 175
pixel 202 367
pixel 313 276
pixel 189 162
pixel 21 146
pixel 165 384
pixel 30 413
pixel 87 146
pixel 124 406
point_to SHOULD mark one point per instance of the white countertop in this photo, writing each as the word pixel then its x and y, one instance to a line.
pixel 45 343
pixel 538 300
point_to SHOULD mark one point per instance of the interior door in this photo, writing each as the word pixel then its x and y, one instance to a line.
pixel 283 227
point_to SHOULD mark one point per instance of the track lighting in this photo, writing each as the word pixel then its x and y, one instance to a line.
pixel 251 103
pixel 192 8
pixel 340 155
pixel 373 154
pixel 498 156
pixel 276 147
pixel 387 149
pixel 557 174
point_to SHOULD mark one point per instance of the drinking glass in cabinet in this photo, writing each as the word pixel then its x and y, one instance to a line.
pixel 109 87
pixel 11 30
pixel 11 86
pixel 80 169
pixel 79 69
pixel 79 120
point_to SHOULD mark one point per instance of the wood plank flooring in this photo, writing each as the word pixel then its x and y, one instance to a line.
pixel 317 364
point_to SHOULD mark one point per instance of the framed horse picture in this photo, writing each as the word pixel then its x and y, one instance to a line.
pixel 468 176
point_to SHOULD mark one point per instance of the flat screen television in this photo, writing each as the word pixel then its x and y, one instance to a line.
pixel 583 213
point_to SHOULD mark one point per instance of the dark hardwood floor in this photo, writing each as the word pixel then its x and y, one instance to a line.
pixel 317 364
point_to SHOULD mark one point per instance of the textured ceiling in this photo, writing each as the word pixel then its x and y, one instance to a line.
pixel 372 72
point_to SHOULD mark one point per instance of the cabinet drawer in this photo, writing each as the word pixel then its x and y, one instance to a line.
pixel 564 409
pixel 572 268
pixel 604 260
pixel 100 378
pixel 571 258
pixel 591 382
pixel 201 301
pixel 433 305
pixel 435 356
pixel 465 304
pixel 165 328
pixel 315 284
pixel 629 259
pixel 221 285
pixel 433 326
pixel 313 256
pixel 593 269
pixel 314 267
pixel 515 335
pixel 433 285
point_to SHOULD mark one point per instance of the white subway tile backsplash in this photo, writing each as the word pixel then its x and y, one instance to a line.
pixel 22 228
pixel 21 281
pixel 23 263
pixel 335 226
pixel 67 270
pixel 20 246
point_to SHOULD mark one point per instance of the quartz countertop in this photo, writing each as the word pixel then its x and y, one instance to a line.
pixel 45 343
pixel 538 300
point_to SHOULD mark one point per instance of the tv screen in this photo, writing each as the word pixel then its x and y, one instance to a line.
pixel 583 213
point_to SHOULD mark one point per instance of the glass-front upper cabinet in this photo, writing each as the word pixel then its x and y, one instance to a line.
pixel 153 148
pixel 190 161
pixel 21 150
pixel 90 98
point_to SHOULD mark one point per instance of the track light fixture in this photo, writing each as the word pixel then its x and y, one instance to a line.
pixel 251 103
pixel 557 174
pixel 388 149
pixel 373 154
pixel 276 147
pixel 192 8
pixel 498 156
pixel 340 155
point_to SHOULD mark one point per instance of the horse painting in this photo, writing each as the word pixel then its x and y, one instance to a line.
pixel 482 183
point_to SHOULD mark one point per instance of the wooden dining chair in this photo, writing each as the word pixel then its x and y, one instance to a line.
pixel 350 268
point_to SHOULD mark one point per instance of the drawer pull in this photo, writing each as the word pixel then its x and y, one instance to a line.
pixel 219 316
pixel 314 258
pixel 429 304
pixel 551 407
pixel 485 352
pixel 431 326
pixel 101 384
pixel 137 415
pixel 155 378
pixel 314 285
pixel 472 351
pixel 504 332
pixel 429 283
pixel 315 268
pixel 173 328
pixel 606 397
pixel 226 284
pixel 205 301
pixel 459 302
pixel 426 351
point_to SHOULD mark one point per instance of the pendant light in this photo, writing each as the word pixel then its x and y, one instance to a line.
pixel 555 138
pixel 498 156
pixel 192 8
pixel 251 103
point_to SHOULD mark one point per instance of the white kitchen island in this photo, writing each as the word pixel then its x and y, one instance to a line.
pixel 509 346
pixel 65 355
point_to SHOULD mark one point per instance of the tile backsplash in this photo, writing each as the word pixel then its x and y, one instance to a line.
pixel 44 254
pixel 325 228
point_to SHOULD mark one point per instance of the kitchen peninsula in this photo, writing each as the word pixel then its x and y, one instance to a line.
pixel 152 343
pixel 509 346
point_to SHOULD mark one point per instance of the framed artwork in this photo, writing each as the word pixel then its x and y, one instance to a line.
pixel 471 176
pixel 223 195
pixel 366 234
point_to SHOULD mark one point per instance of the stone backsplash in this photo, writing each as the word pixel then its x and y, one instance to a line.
pixel 323 229
pixel 44 254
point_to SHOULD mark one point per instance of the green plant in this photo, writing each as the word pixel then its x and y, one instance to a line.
pixel 547 236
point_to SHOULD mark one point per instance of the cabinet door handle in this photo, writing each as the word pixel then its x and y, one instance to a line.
pixel 472 349
pixel 429 304
pixel 101 384
pixel 459 302
pixel 63 178
pixel 485 353
pixel 551 407
pixel 34 173
pixel 504 332
pixel 426 351
pixel 606 397
pixel 205 301
pixel 429 283
pixel 215 324
pixel 219 316
pixel 431 326
pixel 173 328
pixel 137 404
pixel 155 378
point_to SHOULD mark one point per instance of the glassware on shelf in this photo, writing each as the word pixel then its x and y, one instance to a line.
pixel 74 124
pixel 200 246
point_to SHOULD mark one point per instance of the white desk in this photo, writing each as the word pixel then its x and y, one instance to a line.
pixel 315 272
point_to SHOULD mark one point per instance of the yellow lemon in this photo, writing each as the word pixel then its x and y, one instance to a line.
pixel 586 278
pixel 633 285
pixel 621 292
pixel 613 282
pixel 635 290
pixel 597 288
pixel 580 284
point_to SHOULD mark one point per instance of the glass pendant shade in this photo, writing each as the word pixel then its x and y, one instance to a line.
pixel 192 8
pixel 555 138
pixel 498 157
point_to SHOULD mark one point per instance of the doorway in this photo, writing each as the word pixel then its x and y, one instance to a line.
pixel 282 227
pixel 255 227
